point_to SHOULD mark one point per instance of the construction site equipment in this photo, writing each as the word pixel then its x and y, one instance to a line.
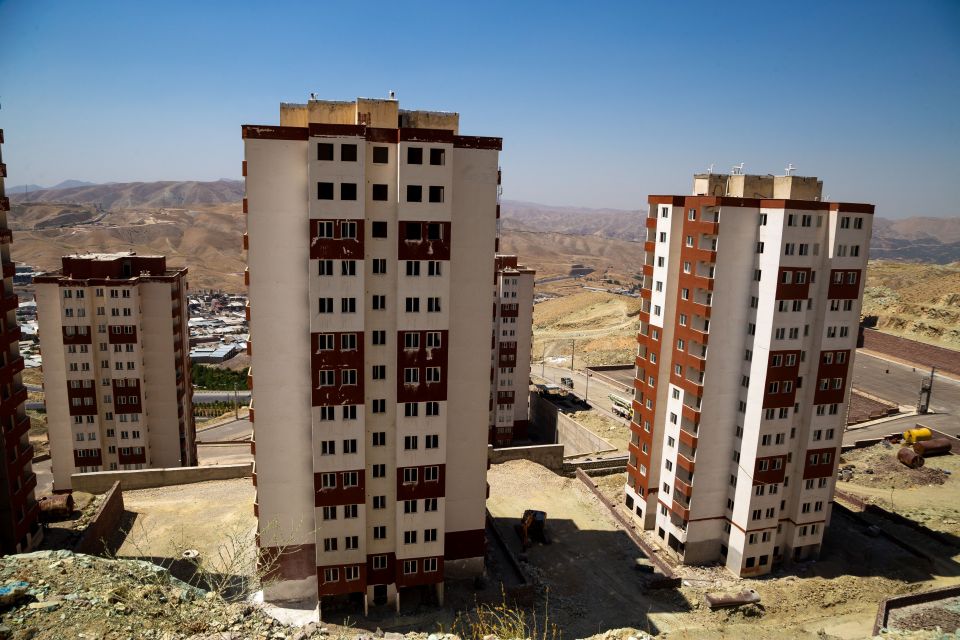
pixel 567 382
pixel 533 527
pixel 910 458
pixel 620 406
pixel 56 507
pixel 917 434
pixel 934 447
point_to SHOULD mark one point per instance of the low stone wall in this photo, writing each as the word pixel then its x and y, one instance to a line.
pixel 148 478
pixel 920 353
pixel 104 523
pixel 549 455
pixel 898 602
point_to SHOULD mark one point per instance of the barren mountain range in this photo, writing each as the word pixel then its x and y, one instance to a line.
pixel 200 225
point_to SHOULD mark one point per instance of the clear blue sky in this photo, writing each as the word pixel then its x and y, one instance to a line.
pixel 599 104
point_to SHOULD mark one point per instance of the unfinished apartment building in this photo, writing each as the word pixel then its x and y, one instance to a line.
pixel 371 238
pixel 19 528
pixel 510 360
pixel 114 338
pixel 751 302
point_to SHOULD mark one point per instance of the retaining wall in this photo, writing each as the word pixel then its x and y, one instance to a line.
pixel 101 481
pixel 549 455
pixel 104 523
pixel 898 602
pixel 912 351
pixel 553 426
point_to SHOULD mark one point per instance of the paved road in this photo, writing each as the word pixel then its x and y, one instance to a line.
pixel 228 431
pixel 598 389
pixel 44 477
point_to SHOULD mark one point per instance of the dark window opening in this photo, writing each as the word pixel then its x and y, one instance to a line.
pixel 348 191
pixel 414 155
pixel 434 231
pixel 348 153
pixel 379 229
pixel 414 231
pixel 436 194
pixel 380 192
pixel 324 151
pixel 381 155
pixel 414 193
pixel 325 191
pixel 437 156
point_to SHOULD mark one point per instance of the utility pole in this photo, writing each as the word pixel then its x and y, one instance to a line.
pixel 586 392
pixel 236 402
pixel 926 387
pixel 543 361
pixel 573 352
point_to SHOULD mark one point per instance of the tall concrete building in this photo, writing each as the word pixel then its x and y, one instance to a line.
pixel 510 360
pixel 19 529
pixel 116 365
pixel 751 303
pixel 371 237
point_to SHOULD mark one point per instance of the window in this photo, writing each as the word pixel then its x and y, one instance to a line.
pixel 413 305
pixel 348 305
pixel 379 302
pixel 435 194
pixel 324 151
pixel 414 155
pixel 430 504
pixel 410 475
pixel 379 229
pixel 411 375
pixel 410 409
pixel 379 406
pixel 410 442
pixel 379 372
pixel 381 155
pixel 763 219
pixel 325 305
pixel 380 533
pixel 350 445
pixel 379 338
pixel 432 441
pixel 327 447
pixel 433 268
pixel 325 191
pixel 409 506
pixel 329 544
pixel 348 153
pixel 433 408
pixel 414 193
pixel 430 535
pixel 349 412
pixel 379 502
pixel 433 374
pixel 431 474
pixel 433 305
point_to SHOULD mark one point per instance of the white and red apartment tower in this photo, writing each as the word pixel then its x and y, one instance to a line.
pixel 19 527
pixel 748 331
pixel 116 365
pixel 371 234
pixel 510 360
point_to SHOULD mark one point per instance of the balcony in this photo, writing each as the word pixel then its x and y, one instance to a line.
pixel 9 405
pixel 4 204
pixel 9 269
pixel 688 438
pixel 6 236
pixel 13 436
pixel 8 302
pixel 20 495
pixel 682 487
pixel 23 457
pixel 680 511
pixel 685 463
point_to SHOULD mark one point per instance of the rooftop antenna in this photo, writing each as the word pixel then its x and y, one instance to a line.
pixel 710 169
pixel 737 170
pixel 790 168
pixel 393 94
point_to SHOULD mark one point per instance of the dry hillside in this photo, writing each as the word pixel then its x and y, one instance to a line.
pixel 604 326
pixel 917 301
pixel 123 195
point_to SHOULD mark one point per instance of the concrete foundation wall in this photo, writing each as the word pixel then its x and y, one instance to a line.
pixel 148 478
pixel 552 426
pixel 103 524
pixel 549 455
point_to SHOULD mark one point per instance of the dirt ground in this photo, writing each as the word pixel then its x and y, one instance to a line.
pixel 929 495
pixel 604 326
pixel 835 597
pixel 207 516
pixel 616 432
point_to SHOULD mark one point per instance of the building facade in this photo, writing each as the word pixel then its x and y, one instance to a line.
pixel 751 303
pixel 510 360
pixel 371 232
pixel 116 365
pixel 19 528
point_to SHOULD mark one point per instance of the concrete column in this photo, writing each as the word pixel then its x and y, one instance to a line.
pixel 440 593
pixel 366 604
pixel 398 601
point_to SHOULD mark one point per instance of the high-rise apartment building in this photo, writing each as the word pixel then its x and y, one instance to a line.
pixel 510 360
pixel 751 303
pixel 19 530
pixel 116 365
pixel 371 236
